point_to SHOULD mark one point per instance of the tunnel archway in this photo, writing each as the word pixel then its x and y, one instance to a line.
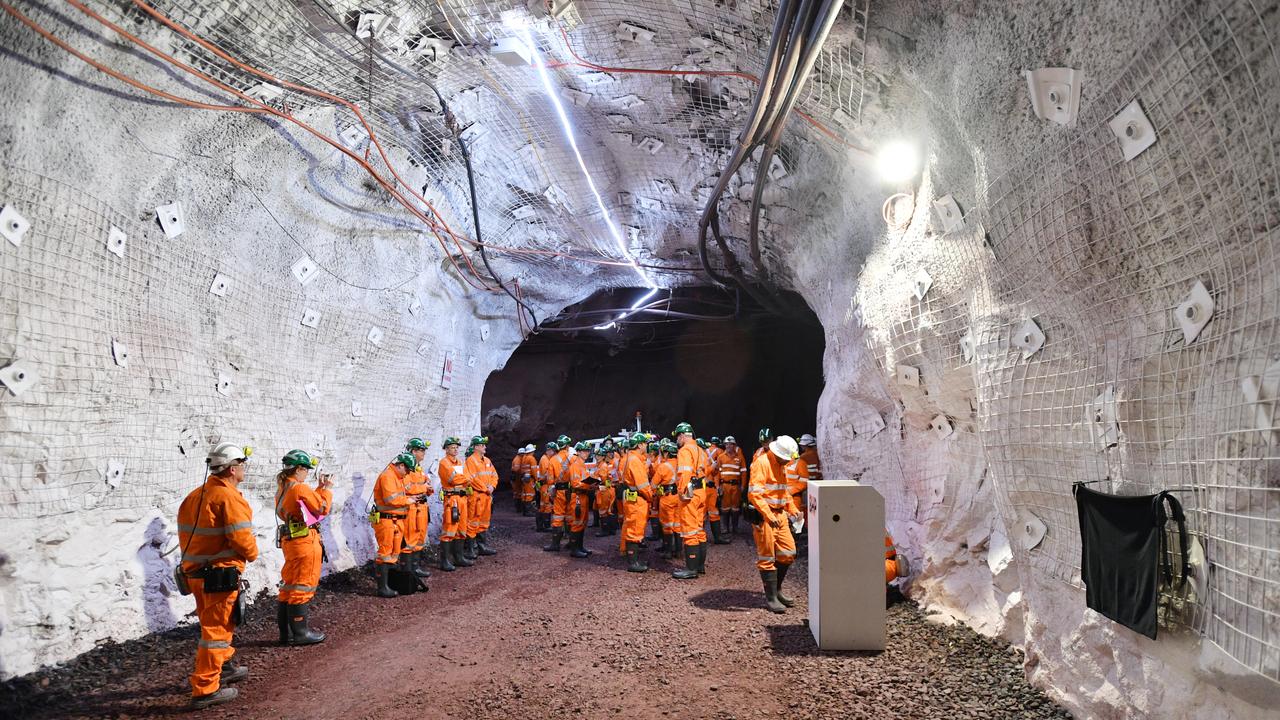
pixel 719 361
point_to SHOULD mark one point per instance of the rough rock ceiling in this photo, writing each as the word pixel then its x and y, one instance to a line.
pixel 655 93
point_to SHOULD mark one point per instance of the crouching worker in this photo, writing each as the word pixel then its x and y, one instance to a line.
pixel 391 510
pixel 303 550
pixel 770 506
pixel 215 530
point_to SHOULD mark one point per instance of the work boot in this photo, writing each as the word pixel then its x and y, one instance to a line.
pixel 460 558
pixel 733 523
pixel 556 535
pixel 221 695
pixel 545 520
pixel 677 546
pixel 634 563
pixel 232 673
pixel 702 559
pixel 301 632
pixel 596 520
pixel 469 550
pixel 576 550
pixel 482 544
pixel 282 620
pixel 716 529
pixel 655 528
pixel 446 550
pixel 690 569
pixel 769 578
pixel 384 590
pixel 782 575
pixel 419 567
pixel 606 523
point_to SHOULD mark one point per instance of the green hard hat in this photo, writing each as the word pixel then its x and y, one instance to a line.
pixel 638 438
pixel 300 458
pixel 583 445
pixel 406 460
pixel 564 441
pixel 702 443
pixel 715 440
pixel 553 446
pixel 765 434
pixel 682 428
pixel 452 441
pixel 417 444
pixel 479 440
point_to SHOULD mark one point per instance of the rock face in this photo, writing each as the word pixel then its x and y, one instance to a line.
pixel 1048 330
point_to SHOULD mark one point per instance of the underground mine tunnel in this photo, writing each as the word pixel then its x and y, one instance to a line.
pixel 402 322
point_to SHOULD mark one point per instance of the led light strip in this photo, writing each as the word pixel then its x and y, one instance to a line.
pixel 582 165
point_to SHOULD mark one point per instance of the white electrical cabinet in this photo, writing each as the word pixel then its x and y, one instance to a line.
pixel 846 565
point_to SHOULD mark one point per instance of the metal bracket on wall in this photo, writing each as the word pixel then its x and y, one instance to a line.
pixel 375 336
pixel 1194 312
pixel 310 318
pixel 305 270
pixel 13 226
pixel 908 375
pixel 116 239
pixel 921 284
pixel 18 376
pixel 967 346
pixel 1029 338
pixel 173 219
pixel 1055 94
pixel 1031 531
pixel 941 427
pixel 1134 131
pixel 312 390
pixel 113 474
pixel 120 353
pixel 220 285
pixel 948 213
pixel 1103 421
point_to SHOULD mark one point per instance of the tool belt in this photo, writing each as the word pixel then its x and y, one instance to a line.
pixel 584 491
pixel 669 489
pixel 456 492
pixel 218 579
pixel 562 486
pixel 630 495
pixel 697 483
pixel 393 516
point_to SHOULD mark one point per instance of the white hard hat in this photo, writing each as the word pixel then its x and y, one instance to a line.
pixel 807 440
pixel 730 439
pixel 784 447
pixel 527 448
pixel 226 453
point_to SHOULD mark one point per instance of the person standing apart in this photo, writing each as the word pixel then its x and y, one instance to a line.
pixel 215 531
pixel 303 551
pixel 774 508
pixel 691 473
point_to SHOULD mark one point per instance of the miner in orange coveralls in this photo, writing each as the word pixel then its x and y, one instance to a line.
pixel 484 481
pixel 580 486
pixel 418 487
pixel 664 479
pixel 607 474
pixel 303 551
pixel 456 488
pixel 772 507
pixel 691 474
pixel 798 475
pixel 635 500
pixel 546 488
pixel 652 460
pixel 714 455
pixel 523 467
pixel 215 531
pixel 391 503
pixel 557 468
pixel 732 468
pixel 766 436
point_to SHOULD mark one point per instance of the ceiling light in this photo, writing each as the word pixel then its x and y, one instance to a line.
pixel 898 161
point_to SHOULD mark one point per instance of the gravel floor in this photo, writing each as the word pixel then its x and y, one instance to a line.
pixel 528 634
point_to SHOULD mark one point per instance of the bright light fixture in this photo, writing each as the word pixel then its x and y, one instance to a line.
pixel 898 161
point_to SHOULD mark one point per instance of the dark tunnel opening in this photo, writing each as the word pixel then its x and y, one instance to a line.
pixel 726 377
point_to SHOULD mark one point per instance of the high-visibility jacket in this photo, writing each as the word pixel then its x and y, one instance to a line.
pixel 544 475
pixel 768 491
pixel 759 451
pixel 216 529
pixel 481 473
pixel 318 502
pixel 713 464
pixel 453 474
pixel 605 473
pixel 636 476
pixel 523 464
pixel 810 458
pixel 559 466
pixel 732 465
pixel 417 482
pixel 575 473
pixel 664 475
pixel 797 475
pixel 691 463
pixel 389 493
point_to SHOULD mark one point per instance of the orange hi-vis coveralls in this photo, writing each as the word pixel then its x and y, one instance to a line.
pixel 732 466
pixel 810 470
pixel 456 488
pixel 651 463
pixel 580 489
pixel 484 480
pixel 691 472
pixel 664 479
pixel 636 497
pixel 797 475
pixel 771 495
pixel 523 468
pixel 300 575
pixel 215 530
pixel 606 473
pixel 560 504
pixel 392 503
pixel 713 484
pixel 548 484
pixel 890 558
pixel 416 483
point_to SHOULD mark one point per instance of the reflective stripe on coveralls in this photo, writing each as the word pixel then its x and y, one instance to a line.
pixel 769 494
pixel 390 500
pixel 668 502
pixel 453 478
pixel 418 517
pixel 484 480
pixel 579 500
pixel 691 464
pixel 635 513
pixel 302 556
pixel 560 502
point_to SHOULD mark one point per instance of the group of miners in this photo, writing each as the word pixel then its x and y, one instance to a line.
pixel 680 487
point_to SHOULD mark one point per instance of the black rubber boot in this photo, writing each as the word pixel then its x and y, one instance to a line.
pixel 299 629
pixel 596 520
pixel 556 535
pixel 677 547
pixel 460 558
pixel 606 522
pixel 418 570
pixel 545 520
pixel 655 528
pixel 782 575
pixel 715 533
pixel 469 549
pixel 446 551
pixel 482 544
pixel 690 569
pixel 702 559
pixel 576 550
pixel 769 578
pixel 384 590
pixel 282 619
pixel 635 564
